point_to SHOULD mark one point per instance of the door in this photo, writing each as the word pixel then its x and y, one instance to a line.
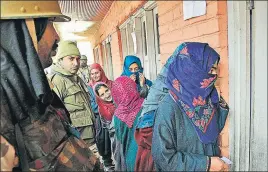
pixel 258 135
pixel 247 39
pixel 104 58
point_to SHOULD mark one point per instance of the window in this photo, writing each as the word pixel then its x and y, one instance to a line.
pixel 140 36
pixel 109 61
pixel 107 58
pixel 144 38
pixel 124 42
pixel 104 61
pixel 157 30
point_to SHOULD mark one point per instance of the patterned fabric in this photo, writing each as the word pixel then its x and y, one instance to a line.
pixel 83 73
pixel 103 76
pixel 193 88
pixel 48 144
pixel 127 99
pixel 106 109
pixel 129 60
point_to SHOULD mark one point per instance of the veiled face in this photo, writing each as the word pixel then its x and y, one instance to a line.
pixel 47 45
pixel 214 69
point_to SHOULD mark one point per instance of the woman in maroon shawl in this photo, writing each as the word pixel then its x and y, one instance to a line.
pixel 102 135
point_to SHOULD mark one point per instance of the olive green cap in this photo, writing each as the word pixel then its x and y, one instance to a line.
pixel 67 48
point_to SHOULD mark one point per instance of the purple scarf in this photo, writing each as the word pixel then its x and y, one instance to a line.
pixel 193 88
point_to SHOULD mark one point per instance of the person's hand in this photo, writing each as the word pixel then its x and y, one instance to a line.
pixel 216 164
pixel 142 79
pixel 133 77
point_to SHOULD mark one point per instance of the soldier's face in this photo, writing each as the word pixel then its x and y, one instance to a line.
pixel 70 63
pixel 95 75
pixel 83 63
pixel 47 45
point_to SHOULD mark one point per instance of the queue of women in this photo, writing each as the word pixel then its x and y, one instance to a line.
pixel 170 124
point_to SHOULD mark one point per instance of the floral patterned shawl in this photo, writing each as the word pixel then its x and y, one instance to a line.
pixel 193 88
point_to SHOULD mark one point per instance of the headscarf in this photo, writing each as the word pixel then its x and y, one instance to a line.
pixel 129 60
pixel 24 86
pixel 106 109
pixel 127 99
pixel 193 88
pixel 103 77
pixel 159 88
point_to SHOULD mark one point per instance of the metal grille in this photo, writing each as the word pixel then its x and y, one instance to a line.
pixel 85 10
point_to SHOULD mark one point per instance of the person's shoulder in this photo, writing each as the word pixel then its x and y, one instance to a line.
pixel 167 101
pixel 55 77
pixel 57 80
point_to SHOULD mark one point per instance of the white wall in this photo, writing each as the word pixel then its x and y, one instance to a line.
pixel 85 48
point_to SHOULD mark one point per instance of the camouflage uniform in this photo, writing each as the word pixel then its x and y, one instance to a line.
pixel 83 73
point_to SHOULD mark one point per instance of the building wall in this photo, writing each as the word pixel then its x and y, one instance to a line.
pixel 118 13
pixel 210 28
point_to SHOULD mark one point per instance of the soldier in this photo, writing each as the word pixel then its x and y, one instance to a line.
pixel 35 129
pixel 83 71
pixel 73 91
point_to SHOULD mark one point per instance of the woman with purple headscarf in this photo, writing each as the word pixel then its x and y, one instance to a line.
pixel 189 119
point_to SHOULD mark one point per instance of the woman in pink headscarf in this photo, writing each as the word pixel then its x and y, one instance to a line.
pixel 98 75
pixel 102 133
pixel 129 104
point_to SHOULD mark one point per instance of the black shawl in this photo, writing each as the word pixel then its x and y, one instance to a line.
pixel 24 86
